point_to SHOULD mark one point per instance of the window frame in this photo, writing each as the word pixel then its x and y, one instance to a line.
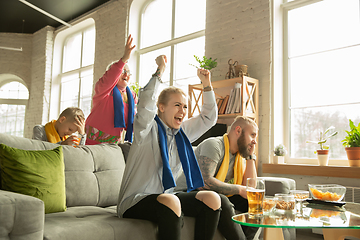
pixel 170 43
pixel 285 7
pixel 57 72
pixel 15 101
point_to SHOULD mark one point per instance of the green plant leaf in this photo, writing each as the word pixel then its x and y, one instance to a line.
pixel 206 63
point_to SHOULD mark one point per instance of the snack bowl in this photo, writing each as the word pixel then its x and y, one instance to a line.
pixel 327 192
pixel 268 204
pixel 284 202
pixel 300 195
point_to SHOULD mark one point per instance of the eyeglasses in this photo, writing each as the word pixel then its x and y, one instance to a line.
pixel 126 72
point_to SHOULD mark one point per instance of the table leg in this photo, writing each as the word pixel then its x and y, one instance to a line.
pixel 339 234
pixel 273 233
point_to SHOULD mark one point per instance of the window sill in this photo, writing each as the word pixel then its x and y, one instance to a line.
pixel 312 170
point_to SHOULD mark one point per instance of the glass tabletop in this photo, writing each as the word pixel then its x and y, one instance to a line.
pixel 309 216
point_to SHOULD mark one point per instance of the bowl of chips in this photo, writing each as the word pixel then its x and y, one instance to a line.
pixel 327 192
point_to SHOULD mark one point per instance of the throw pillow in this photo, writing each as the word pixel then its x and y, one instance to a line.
pixel 36 173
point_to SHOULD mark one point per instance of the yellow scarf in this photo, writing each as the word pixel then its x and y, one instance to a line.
pixel 238 165
pixel 51 133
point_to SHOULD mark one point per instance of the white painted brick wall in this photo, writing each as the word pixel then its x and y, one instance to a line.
pixel 240 30
pixel 14 62
pixel 110 22
pixel 38 105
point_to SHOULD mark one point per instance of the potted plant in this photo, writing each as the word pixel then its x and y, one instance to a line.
pixel 206 63
pixel 352 144
pixel 323 152
pixel 135 87
pixel 279 151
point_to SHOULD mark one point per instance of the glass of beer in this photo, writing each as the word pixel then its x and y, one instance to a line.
pixel 255 189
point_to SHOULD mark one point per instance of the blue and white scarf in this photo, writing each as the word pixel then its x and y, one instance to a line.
pixel 188 160
pixel 119 119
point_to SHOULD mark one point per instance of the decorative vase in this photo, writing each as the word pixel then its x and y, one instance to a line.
pixel 278 160
pixel 353 154
pixel 323 157
pixel 241 70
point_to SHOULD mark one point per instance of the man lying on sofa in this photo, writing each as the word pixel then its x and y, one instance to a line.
pixel 219 157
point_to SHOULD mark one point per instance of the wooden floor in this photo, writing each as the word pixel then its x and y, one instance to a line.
pixel 307 234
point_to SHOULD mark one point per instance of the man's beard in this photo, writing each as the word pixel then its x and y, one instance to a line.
pixel 242 146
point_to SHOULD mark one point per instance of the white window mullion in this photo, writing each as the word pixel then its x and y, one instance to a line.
pixel 172 60
pixel 286 82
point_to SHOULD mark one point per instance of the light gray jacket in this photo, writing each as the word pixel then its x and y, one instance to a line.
pixel 143 172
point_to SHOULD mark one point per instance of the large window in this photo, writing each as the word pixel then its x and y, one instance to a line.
pixel 13 100
pixel 322 52
pixel 77 70
pixel 175 28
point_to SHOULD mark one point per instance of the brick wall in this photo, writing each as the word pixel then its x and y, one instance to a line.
pixel 41 65
pixel 110 23
pixel 16 62
pixel 240 30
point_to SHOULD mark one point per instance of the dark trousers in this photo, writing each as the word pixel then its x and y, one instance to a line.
pixel 169 224
pixel 241 204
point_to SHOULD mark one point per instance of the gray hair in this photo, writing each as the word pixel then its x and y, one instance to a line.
pixel 109 66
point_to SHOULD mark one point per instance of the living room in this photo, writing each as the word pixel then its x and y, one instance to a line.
pixel 249 32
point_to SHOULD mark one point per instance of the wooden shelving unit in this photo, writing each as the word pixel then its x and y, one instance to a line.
pixel 249 98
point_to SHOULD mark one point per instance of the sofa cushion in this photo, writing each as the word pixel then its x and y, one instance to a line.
pixel 93 174
pixel 35 173
pixel 94 223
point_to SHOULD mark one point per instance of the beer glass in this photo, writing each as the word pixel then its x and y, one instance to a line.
pixel 255 189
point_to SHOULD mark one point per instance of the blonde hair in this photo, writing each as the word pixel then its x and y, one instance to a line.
pixel 165 95
pixel 71 113
pixel 242 121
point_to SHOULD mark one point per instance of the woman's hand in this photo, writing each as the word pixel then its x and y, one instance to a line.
pixel 128 48
pixel 204 76
pixel 161 61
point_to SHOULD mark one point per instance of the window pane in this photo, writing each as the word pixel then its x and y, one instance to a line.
pixel 324 52
pixel 190 16
pixel 69 91
pixel 306 124
pixel 156 23
pixel 148 66
pixel 88 47
pixel 184 56
pixel 326 78
pixel 323 25
pixel 72 53
pixel 12 119
pixel 86 91
pixel 14 90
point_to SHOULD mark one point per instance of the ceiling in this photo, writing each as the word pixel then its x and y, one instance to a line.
pixel 17 17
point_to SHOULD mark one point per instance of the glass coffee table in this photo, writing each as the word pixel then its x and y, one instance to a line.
pixel 336 222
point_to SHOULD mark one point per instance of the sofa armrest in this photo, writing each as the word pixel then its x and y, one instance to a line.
pixel 21 216
pixel 278 185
